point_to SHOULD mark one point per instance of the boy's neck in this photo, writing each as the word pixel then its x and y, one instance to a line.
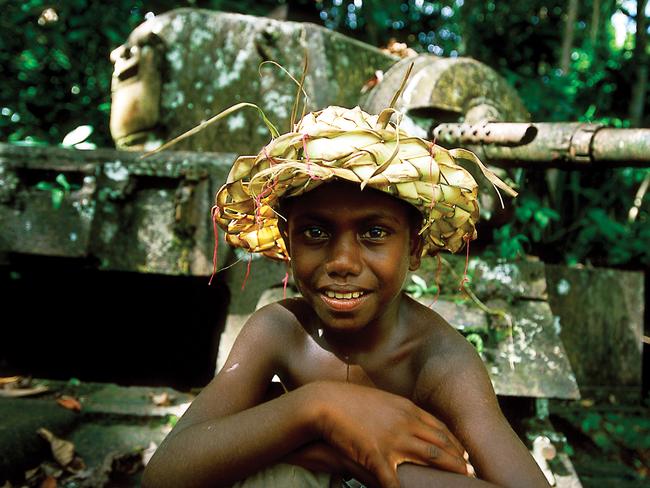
pixel 379 335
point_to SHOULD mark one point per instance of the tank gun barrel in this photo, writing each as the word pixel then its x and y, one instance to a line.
pixel 549 144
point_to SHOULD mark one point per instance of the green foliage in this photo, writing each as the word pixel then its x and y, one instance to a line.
pixel 419 287
pixel 622 435
pixel 578 217
pixel 583 216
pixel 58 190
pixel 476 340
pixel 508 243
pixel 432 27
pixel 531 214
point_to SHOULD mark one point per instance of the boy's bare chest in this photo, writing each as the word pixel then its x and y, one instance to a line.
pixel 393 373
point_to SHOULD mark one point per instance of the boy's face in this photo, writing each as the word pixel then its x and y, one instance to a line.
pixel 350 252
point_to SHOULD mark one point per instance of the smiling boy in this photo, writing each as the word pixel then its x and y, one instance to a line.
pixel 379 387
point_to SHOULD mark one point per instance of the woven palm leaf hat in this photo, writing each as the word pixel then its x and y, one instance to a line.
pixel 351 145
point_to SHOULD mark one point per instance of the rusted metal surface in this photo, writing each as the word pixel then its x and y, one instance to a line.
pixel 569 144
pixel 150 215
pixel 533 361
pixel 523 353
pixel 193 63
pixel 500 133
pixel 603 337
pixel 135 91
pixel 624 146
pixel 447 90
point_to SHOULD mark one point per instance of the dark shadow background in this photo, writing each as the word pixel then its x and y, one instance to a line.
pixel 62 319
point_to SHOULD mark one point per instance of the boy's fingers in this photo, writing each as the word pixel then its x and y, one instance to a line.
pixel 432 455
pixel 438 426
pixel 442 439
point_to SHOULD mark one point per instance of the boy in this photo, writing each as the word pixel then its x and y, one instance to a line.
pixel 380 388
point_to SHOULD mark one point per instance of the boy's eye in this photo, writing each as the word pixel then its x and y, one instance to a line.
pixel 314 233
pixel 375 233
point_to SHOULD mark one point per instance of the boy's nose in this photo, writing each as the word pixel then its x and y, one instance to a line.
pixel 344 257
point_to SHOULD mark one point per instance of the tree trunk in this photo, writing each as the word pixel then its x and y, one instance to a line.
pixel 637 102
pixel 595 23
pixel 567 40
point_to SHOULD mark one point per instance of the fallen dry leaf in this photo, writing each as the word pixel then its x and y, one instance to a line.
pixel 62 450
pixel 5 380
pixel 21 392
pixel 51 468
pixel 32 474
pixel 399 49
pixel 48 482
pixel 116 464
pixel 69 402
pixel 163 399
pixel 77 465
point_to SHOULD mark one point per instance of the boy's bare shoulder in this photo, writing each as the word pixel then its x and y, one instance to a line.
pixel 279 322
pixel 268 340
pixel 444 353
pixel 441 340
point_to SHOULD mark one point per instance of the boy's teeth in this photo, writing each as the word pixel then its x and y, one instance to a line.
pixel 343 296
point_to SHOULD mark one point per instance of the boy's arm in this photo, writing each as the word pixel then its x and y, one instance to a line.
pixel 228 433
pixel 464 398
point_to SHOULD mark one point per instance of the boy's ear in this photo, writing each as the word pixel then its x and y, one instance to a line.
pixel 417 244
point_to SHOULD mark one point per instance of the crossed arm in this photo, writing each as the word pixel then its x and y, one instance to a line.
pixel 466 402
pixel 230 432
pixel 460 392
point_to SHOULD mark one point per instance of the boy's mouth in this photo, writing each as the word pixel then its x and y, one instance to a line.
pixel 343 296
pixel 344 301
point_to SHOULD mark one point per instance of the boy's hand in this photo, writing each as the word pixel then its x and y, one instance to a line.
pixel 379 431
